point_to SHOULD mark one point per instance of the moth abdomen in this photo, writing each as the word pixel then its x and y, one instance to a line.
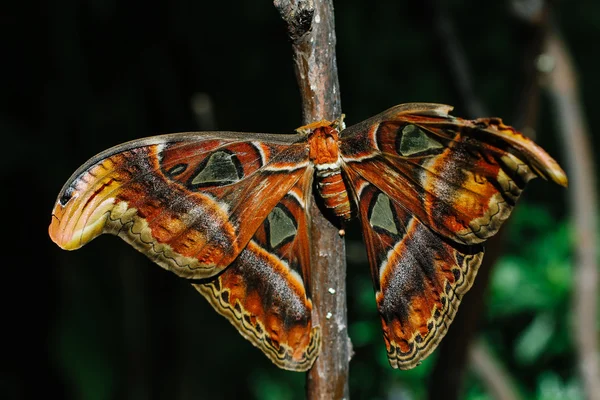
pixel 325 155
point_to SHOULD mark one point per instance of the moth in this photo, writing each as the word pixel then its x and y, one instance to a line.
pixel 228 211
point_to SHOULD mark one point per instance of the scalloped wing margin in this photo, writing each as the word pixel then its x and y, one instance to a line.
pixel 419 277
pixel 264 293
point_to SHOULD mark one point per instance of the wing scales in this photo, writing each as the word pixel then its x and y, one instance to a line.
pixel 193 231
pixel 265 292
pixel 430 189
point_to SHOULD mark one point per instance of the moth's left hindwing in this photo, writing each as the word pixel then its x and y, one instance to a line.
pixel 265 291
pixel 228 208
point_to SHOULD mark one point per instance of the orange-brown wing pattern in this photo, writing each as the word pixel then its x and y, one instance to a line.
pixel 419 276
pixel 265 292
pixel 430 189
pixel 461 178
pixel 190 202
pixel 229 209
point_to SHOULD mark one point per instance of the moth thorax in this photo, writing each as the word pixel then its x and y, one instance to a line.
pixel 324 154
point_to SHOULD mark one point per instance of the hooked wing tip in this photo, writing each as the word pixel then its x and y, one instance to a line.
pixel 57 232
pixel 558 175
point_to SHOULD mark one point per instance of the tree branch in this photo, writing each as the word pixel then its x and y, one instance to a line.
pixel 563 89
pixel 532 31
pixel 311 28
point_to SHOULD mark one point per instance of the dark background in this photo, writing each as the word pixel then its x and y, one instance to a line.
pixel 105 323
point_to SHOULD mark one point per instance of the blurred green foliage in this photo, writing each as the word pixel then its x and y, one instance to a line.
pixel 105 323
pixel 528 318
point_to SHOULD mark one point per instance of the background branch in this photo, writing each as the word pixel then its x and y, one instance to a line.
pixel 532 31
pixel 453 58
pixel 450 369
pixel 311 29
pixel 563 90
pixel 497 381
pixel 459 348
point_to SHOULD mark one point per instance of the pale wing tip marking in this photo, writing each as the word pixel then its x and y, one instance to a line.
pixel 120 220
pixel 424 109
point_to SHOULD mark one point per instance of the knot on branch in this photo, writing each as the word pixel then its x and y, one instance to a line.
pixel 298 14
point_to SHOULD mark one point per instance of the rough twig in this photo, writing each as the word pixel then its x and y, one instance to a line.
pixel 311 28
pixel 298 15
pixel 563 90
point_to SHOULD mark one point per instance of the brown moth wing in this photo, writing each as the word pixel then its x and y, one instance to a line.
pixel 430 189
pixel 190 202
pixel 419 276
pixel 461 178
pixel 265 291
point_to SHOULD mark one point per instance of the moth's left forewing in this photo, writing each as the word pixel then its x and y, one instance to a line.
pixel 190 202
